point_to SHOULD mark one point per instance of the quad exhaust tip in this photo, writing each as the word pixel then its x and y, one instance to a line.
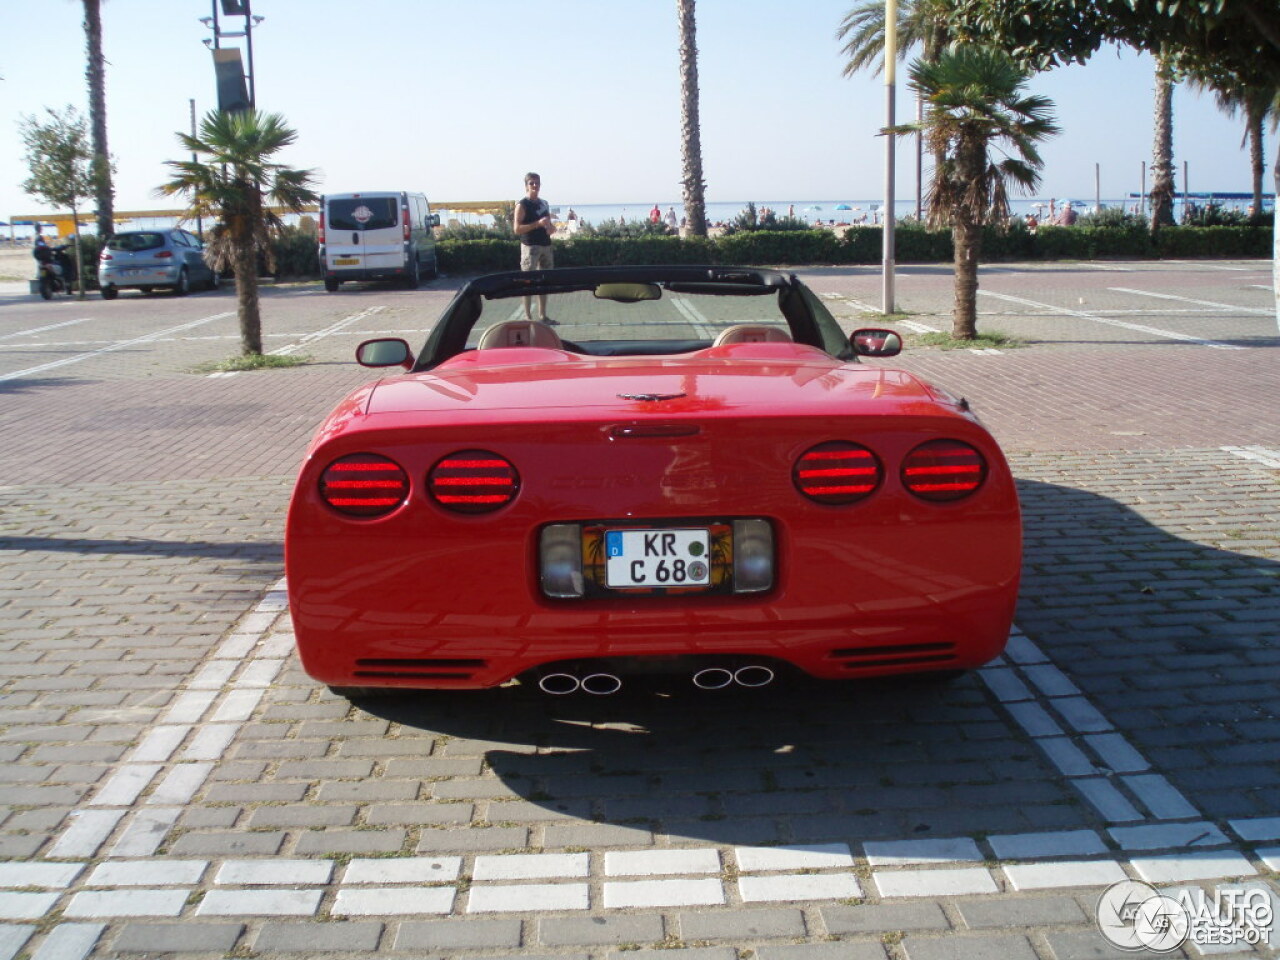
pixel 717 678
pixel 597 684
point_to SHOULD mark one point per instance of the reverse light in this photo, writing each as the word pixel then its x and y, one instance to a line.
pixel 560 560
pixel 837 473
pixel 364 485
pixel 943 470
pixel 473 481
pixel 752 556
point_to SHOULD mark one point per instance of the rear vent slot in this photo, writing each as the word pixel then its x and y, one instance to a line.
pixel 859 658
pixel 437 668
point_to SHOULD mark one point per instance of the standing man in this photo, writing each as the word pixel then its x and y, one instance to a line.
pixel 534 228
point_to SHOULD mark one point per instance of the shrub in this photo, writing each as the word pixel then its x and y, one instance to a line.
pixel 296 254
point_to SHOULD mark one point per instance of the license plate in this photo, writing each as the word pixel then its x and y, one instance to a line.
pixel 657 558
pixel 345 261
pixel 137 272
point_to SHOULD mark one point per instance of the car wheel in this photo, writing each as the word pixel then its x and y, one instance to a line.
pixel 215 280
pixel 331 285
pixel 183 286
pixel 415 276
pixel 46 287
pixel 434 271
pixel 110 292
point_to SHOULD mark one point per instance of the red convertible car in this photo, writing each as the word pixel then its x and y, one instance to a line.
pixel 685 469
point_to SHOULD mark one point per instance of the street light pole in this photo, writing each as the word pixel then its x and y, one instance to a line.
pixel 890 79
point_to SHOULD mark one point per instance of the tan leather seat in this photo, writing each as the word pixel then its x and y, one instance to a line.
pixel 519 333
pixel 752 333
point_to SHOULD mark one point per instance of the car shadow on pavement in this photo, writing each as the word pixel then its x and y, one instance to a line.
pixel 1168 637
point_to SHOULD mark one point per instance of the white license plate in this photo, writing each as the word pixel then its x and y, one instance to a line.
pixel 345 261
pixel 657 558
pixel 137 271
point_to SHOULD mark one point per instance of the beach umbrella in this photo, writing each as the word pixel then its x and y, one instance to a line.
pixel 813 206
pixel 843 206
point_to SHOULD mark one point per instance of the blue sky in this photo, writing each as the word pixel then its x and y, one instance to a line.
pixel 460 99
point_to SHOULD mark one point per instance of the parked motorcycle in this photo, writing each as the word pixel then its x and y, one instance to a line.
pixel 55 270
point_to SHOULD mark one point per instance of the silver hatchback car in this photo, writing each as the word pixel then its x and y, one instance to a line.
pixel 146 259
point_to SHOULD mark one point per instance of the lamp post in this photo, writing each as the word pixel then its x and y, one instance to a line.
pixel 227 65
pixel 890 63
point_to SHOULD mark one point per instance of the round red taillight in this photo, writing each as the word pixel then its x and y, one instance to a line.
pixel 943 470
pixel 473 481
pixel 837 473
pixel 364 485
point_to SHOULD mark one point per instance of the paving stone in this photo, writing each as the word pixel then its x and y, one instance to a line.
pixel 402 870
pixel 541 866
pixel 147 873
pixel 794 857
pixel 87 831
pixel 26 906
pixel 333 815
pixel 250 872
pixel 989 912
pixel 391 901
pixel 622 863
pixel 593 931
pixel 356 936
pixel 1063 873
pixel 1003 947
pixel 138 902
pixel 350 841
pixel 1062 843
pixel 663 893
pixel 934 883
pixel 278 903
pixel 822 951
pixel 472 932
pixel 50 876
pixel 473 840
pixel 187 936
pixel 69 941
pixel 876 918
pixel 742 922
pixel 821 886
pixel 13 937
pixel 1083 945
pixel 931 850
pixel 1160 836
pixel 227 844
pixel 1200 865
pixel 409 814
pixel 528 897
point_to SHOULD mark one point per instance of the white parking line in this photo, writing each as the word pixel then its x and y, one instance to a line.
pixel 1200 303
pixel 310 338
pixel 118 345
pixel 1269 458
pixel 1141 328
pixel 701 325
pixel 51 326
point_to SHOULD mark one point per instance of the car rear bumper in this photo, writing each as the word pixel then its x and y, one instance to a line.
pixel 342 274
pixel 138 276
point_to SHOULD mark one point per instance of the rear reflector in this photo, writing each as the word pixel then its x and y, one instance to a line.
pixel 837 473
pixel 473 481
pixel 364 485
pixel 943 470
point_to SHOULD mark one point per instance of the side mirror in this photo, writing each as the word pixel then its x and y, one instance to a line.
pixel 392 352
pixel 433 220
pixel 876 343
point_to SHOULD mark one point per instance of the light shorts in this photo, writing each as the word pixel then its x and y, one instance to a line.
pixel 535 258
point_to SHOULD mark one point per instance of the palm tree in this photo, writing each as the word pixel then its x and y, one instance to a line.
pixel 95 73
pixel 975 104
pixel 234 179
pixel 1258 104
pixel 695 209
pixel 1162 185
pixel 921 23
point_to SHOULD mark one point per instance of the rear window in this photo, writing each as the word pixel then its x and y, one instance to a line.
pixel 364 213
pixel 133 242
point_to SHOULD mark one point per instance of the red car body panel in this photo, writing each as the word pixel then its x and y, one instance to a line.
pixel 889 584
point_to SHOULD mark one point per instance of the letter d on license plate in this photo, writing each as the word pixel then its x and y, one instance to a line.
pixel 657 558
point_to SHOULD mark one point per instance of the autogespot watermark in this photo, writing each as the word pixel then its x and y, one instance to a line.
pixel 1135 916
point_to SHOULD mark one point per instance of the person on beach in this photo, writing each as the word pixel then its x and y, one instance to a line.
pixel 533 227
pixel 655 215
pixel 672 223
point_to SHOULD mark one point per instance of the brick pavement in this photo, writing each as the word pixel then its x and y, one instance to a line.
pixel 176 786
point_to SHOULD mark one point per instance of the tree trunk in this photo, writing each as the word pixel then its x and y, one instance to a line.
pixel 966 236
pixel 246 270
pixel 1162 186
pixel 690 133
pixel 95 73
pixel 1255 113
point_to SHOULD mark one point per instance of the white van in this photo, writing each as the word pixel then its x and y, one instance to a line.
pixel 377 236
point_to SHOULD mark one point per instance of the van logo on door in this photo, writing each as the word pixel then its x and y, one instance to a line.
pixel 362 214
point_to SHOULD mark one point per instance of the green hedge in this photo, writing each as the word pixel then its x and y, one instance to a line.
pixel 296 257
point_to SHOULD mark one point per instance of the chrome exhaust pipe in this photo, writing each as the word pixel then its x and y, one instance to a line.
pixel 601 684
pixel 712 678
pixel 753 675
pixel 558 684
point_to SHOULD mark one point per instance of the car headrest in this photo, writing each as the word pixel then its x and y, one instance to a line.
pixel 519 333
pixel 751 333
